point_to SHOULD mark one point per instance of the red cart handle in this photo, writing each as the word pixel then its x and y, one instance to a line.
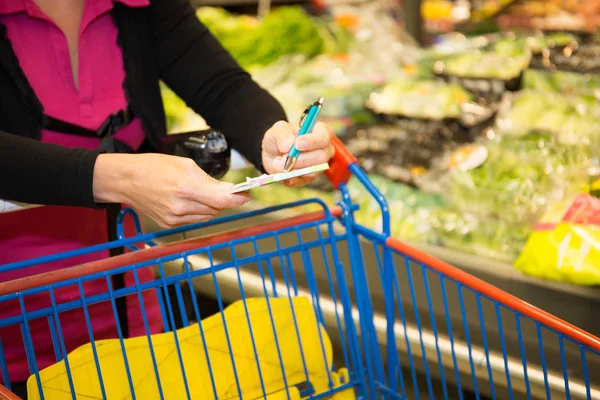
pixel 6 394
pixel 339 166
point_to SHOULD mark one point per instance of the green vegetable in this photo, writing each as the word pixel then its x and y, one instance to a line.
pixel 421 99
pixel 539 43
pixel 487 237
pixel 561 81
pixel 505 60
pixel 410 209
pixel 336 38
pixel 561 39
pixel 519 178
pixel 572 119
pixel 286 30
pixel 238 34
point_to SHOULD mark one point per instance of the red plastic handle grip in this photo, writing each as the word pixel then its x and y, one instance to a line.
pixel 339 166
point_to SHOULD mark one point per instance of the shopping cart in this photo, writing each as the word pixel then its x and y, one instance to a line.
pixel 322 324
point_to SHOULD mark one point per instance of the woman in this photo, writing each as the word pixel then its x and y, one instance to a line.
pixel 85 73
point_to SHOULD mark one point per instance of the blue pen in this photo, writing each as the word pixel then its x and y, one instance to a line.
pixel 307 123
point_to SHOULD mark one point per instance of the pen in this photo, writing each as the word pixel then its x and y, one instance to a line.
pixel 307 123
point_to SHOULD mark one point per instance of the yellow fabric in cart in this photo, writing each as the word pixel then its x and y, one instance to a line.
pixel 114 374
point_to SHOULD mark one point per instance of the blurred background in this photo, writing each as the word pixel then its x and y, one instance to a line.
pixel 478 119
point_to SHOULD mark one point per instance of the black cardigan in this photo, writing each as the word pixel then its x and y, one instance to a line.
pixel 164 41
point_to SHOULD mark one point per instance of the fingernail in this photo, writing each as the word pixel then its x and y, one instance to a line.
pixel 301 144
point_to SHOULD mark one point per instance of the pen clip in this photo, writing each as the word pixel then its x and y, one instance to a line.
pixel 317 103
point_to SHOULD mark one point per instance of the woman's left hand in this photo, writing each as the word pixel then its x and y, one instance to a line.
pixel 315 148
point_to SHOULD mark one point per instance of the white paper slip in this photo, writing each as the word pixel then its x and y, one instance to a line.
pixel 263 180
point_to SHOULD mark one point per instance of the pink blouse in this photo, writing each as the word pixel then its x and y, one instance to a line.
pixel 43 53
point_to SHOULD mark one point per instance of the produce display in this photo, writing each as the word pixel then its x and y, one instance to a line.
pixel 566 52
pixel 475 141
pixel 494 239
pixel 572 119
pixel 560 81
pixel 504 60
pixel 403 152
pixel 421 99
pixel 517 179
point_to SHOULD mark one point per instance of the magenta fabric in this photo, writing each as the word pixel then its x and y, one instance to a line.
pixel 43 54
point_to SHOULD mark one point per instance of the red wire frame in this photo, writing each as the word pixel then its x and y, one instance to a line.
pixel 6 394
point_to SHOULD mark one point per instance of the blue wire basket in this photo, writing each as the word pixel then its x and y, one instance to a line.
pixel 308 306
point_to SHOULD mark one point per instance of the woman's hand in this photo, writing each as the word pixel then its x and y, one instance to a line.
pixel 315 148
pixel 171 190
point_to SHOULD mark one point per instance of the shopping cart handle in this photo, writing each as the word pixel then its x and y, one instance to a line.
pixel 344 165
pixel 6 394
pixel 339 167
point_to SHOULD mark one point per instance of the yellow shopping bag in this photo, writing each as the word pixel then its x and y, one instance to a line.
pixel 294 343
pixel 565 245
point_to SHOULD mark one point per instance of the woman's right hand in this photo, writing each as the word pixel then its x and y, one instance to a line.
pixel 171 190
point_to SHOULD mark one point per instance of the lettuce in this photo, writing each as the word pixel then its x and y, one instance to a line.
pixel 421 99
pixel 286 30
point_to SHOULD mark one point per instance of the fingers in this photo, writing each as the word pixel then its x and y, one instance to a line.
pixel 222 200
pixel 193 209
pixel 174 222
pixel 319 138
pixel 307 159
pixel 280 138
pixel 300 181
pixel 190 212
pixel 180 212
pixel 218 197
pixel 315 157
pixel 214 194
pixel 315 147
pixel 278 164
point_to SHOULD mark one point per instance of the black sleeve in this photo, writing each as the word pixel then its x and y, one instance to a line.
pixel 40 173
pixel 198 69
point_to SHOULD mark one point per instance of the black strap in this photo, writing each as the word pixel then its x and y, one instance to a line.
pixel 111 145
pixel 111 125
pixel 57 125
pixel 118 279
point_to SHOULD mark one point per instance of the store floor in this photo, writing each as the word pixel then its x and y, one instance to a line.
pixel 452 391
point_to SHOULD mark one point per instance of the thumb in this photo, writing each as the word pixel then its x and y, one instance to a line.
pixel 206 178
pixel 216 185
